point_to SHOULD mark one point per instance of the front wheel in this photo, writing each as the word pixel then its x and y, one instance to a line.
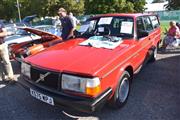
pixel 122 91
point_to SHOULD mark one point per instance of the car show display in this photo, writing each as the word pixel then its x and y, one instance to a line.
pixel 93 68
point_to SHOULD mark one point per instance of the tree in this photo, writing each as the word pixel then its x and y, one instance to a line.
pixel 114 6
pixel 138 5
pixel 74 6
pixel 7 8
pixel 173 5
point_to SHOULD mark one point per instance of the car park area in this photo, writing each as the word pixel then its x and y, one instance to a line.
pixel 154 96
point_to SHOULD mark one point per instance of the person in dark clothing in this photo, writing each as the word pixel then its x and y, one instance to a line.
pixel 67 24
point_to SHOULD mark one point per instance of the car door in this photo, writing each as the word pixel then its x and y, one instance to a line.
pixel 144 32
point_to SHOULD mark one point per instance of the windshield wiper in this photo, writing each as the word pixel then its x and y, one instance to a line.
pixel 110 38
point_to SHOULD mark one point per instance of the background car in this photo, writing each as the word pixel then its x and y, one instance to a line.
pixel 21 35
pixel 49 28
pixel 12 27
pixel 41 41
pixel 83 18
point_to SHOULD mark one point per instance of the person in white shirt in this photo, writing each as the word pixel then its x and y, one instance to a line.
pixel 75 21
pixel 8 74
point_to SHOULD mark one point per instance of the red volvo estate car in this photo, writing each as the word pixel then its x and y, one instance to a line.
pixel 43 40
pixel 97 66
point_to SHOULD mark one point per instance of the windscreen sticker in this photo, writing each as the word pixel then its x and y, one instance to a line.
pixel 105 20
pixel 126 27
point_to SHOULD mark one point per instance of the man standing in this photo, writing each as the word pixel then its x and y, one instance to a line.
pixel 9 76
pixel 67 25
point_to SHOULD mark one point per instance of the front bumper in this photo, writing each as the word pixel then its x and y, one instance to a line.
pixel 83 104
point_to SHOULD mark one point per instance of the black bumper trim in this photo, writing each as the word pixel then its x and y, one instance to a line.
pixel 83 104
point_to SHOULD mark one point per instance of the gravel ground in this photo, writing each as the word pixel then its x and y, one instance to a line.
pixel 155 95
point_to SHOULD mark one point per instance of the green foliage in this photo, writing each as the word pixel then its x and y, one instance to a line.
pixel 43 8
pixel 7 8
pixel 173 4
pixel 114 6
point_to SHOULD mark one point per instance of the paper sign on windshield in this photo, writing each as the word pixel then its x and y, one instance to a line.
pixel 126 27
pixel 105 20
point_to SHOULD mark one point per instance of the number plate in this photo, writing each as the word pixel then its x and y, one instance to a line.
pixel 42 97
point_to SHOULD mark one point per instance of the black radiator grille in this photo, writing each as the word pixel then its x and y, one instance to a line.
pixel 50 81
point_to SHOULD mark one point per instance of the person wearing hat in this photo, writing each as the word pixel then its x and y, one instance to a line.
pixel 4 56
pixel 67 25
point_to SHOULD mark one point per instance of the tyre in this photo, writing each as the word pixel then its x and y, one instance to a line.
pixel 122 91
pixel 154 55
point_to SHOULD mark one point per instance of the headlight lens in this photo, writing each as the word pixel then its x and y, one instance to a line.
pixel 26 69
pixel 90 86
pixel 74 83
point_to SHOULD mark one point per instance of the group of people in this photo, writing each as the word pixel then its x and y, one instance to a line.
pixel 173 35
pixel 68 24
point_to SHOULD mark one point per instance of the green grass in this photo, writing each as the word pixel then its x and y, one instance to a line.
pixel 164 26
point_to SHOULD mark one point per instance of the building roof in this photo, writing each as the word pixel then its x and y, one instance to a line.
pixel 156 6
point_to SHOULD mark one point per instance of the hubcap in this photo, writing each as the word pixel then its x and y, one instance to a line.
pixel 124 90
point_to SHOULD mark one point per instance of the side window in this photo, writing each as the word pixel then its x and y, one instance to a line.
pixel 123 26
pixel 154 21
pixel 116 24
pixel 147 23
pixel 140 27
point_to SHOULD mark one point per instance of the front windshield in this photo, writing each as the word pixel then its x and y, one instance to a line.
pixel 111 26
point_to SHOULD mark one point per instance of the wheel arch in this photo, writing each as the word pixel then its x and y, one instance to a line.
pixel 129 69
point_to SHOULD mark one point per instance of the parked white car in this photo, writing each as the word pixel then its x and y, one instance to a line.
pixel 24 36
pixel 21 36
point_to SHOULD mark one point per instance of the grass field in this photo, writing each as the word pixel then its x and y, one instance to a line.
pixel 164 25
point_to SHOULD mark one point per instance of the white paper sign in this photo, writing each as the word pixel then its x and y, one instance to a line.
pixel 98 42
pixel 101 29
pixel 126 27
pixel 105 20
pixel 83 28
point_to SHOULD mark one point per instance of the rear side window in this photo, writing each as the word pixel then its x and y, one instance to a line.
pixel 154 21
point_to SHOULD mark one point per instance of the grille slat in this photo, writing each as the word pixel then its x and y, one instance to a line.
pixel 50 81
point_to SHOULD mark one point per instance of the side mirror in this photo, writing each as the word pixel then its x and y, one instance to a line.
pixel 142 33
